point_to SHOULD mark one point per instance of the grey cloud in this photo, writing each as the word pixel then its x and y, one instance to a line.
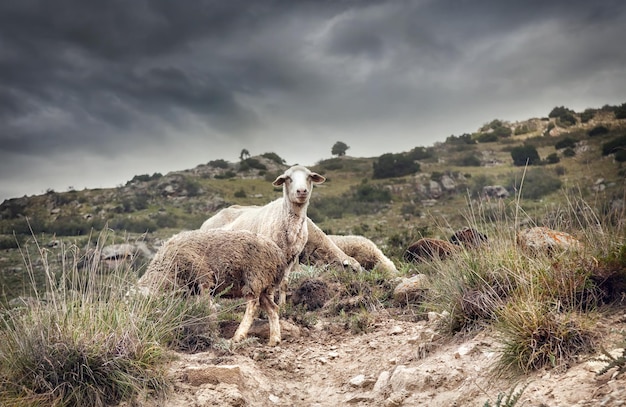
pixel 103 77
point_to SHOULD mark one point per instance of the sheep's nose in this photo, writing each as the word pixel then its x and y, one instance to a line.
pixel 302 191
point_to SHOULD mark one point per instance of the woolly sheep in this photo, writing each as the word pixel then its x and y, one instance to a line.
pixel 360 248
pixel 469 238
pixel 207 262
pixel 427 248
pixel 321 249
pixel 283 220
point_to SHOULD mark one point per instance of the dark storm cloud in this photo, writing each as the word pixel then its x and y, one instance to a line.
pixel 134 78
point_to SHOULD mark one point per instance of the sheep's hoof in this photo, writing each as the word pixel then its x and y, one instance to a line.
pixel 273 342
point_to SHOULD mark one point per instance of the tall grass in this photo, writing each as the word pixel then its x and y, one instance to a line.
pixel 84 342
pixel 542 306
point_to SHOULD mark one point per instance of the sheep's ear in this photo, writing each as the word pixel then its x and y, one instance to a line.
pixel 279 181
pixel 316 178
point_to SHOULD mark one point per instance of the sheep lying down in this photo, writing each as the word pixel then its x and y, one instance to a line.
pixel 208 262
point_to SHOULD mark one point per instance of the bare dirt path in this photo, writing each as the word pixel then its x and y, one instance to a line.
pixel 397 363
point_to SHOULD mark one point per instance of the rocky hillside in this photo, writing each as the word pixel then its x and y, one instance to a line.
pixel 365 346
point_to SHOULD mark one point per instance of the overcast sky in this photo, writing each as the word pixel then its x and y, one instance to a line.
pixel 94 92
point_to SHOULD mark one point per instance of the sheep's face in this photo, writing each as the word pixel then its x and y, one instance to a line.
pixel 297 183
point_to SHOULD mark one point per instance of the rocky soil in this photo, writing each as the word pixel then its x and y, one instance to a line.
pixel 396 363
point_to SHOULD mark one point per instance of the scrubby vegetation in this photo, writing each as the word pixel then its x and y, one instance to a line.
pixel 82 341
pixel 75 338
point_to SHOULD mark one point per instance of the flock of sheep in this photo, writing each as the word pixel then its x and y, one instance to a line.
pixel 249 251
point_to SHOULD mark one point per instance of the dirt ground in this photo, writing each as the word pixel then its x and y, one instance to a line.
pixel 396 363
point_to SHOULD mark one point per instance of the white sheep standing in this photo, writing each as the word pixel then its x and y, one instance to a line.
pixel 283 220
pixel 209 262
pixel 360 248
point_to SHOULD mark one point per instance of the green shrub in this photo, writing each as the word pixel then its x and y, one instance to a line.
pixel 251 163
pixel 616 146
pixel 569 152
pixel 468 160
pixel 620 111
pixel 564 143
pixel 560 112
pixel 522 130
pixel 487 137
pixel 552 158
pixel 567 120
pixel 240 193
pixel 421 153
pixel 463 139
pixel 525 155
pixel 395 165
pixel 534 336
pixel 587 115
pixel 218 164
pixel 598 131
pixel 274 157
pixel 145 178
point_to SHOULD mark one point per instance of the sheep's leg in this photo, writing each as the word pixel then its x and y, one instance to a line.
pixel 282 289
pixel 271 309
pixel 252 308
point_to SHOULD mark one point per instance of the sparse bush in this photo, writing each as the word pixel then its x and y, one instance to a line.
pixel 565 143
pixel 522 130
pixel 535 336
pixel 145 178
pixel 251 163
pixel 240 193
pixel 88 344
pixel 567 120
pixel 468 160
pixel 587 115
pixel 487 137
pixel 620 111
pixel 552 158
pixel 395 165
pixel 617 147
pixel 598 131
pixel 421 153
pixel 525 155
pixel 463 139
pixel 219 164
pixel 274 157
pixel 560 112
pixel 569 152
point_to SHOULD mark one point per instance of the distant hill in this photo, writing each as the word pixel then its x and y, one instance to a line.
pixel 570 146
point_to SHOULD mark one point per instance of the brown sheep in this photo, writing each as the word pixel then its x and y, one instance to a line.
pixel 469 238
pixel 239 262
pixel 426 249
